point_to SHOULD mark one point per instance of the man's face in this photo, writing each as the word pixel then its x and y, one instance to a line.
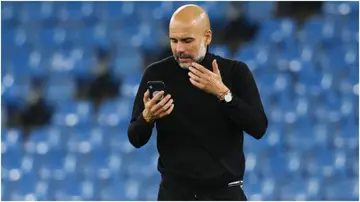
pixel 187 44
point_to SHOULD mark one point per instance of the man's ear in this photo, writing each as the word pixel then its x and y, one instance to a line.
pixel 208 37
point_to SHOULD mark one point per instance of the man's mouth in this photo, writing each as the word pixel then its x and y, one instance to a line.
pixel 185 59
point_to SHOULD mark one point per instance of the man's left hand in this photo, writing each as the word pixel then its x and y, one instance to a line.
pixel 206 80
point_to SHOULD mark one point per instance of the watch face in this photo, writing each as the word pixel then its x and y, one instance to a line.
pixel 228 97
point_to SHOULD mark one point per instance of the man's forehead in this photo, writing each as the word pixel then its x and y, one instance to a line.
pixel 182 30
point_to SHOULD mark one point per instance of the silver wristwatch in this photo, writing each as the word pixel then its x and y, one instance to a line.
pixel 228 97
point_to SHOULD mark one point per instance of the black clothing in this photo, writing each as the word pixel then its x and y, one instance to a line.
pixel 201 141
pixel 170 190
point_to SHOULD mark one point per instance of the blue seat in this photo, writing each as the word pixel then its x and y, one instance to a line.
pixel 301 189
pixel 309 77
pixel 12 155
pixel 51 162
pixel 276 30
pixel 320 32
pixel 303 139
pixel 127 63
pixel 102 163
pixel 117 189
pixel 51 37
pixel 11 136
pixel 8 14
pixel 36 12
pixel 69 188
pixel 71 113
pixel 326 163
pixel 151 189
pixel 250 143
pixel 252 10
pixel 22 189
pixel 252 187
pixel 118 139
pixel 139 33
pixel 217 12
pixel 63 91
pixel 350 32
pixel 341 9
pixel 5 189
pixel 161 11
pixel 354 165
pixel 280 166
pixel 140 164
pixel 221 50
pixel 342 190
pixel 339 60
pixel 90 189
pixel 9 38
pixel 114 112
pixel 93 35
pixel 130 85
pixel 349 134
pixel 332 103
pixel 259 52
pixel 73 12
pixel 79 134
pixel 119 11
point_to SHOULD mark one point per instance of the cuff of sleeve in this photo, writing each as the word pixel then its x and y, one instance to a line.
pixel 235 102
pixel 144 122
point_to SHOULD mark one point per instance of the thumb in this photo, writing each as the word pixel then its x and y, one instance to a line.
pixel 215 67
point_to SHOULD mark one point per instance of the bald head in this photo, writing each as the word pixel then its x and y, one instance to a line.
pixel 190 34
pixel 192 15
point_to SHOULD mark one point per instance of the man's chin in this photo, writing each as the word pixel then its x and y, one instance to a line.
pixel 184 65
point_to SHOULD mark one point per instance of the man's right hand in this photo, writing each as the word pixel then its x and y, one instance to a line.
pixel 158 110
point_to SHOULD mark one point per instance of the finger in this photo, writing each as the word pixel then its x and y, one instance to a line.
pixel 167 112
pixel 146 96
pixel 194 77
pixel 196 72
pixel 200 68
pixel 167 105
pixel 215 67
pixel 197 84
pixel 156 98
pixel 160 104
pixel 164 108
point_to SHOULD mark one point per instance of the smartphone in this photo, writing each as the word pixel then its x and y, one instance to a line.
pixel 155 87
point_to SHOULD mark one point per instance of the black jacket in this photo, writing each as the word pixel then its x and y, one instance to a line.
pixel 201 141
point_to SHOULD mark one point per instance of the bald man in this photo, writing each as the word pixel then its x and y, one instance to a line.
pixel 201 116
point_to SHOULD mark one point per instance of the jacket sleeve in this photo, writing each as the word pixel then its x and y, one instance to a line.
pixel 139 131
pixel 246 109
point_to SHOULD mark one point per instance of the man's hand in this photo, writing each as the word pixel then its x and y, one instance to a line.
pixel 209 81
pixel 158 110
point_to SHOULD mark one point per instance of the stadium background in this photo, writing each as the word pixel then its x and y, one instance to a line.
pixel 70 71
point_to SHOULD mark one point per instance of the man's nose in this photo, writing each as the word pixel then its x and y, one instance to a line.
pixel 180 47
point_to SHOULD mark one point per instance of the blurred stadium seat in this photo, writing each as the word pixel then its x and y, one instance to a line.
pixel 307 76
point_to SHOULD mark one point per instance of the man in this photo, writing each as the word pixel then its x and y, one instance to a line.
pixel 211 101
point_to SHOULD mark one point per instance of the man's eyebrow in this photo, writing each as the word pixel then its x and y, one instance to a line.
pixel 187 38
pixel 182 39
